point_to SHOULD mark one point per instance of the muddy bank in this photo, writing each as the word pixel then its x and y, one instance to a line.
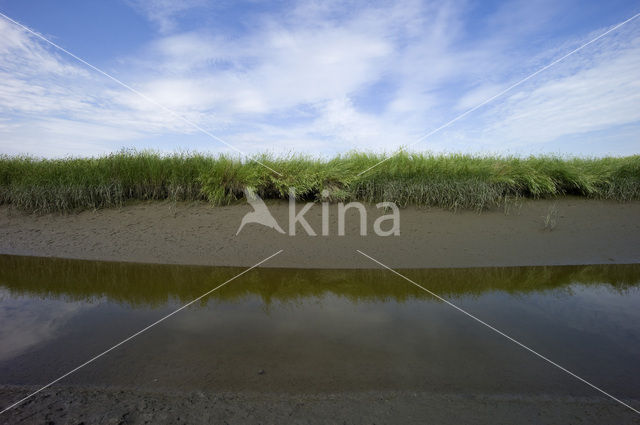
pixel 585 232
pixel 75 405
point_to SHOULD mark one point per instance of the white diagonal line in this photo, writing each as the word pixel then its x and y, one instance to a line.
pixel 142 95
pixel 138 333
pixel 499 332
pixel 511 87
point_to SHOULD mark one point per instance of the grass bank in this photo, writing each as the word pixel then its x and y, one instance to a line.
pixel 449 181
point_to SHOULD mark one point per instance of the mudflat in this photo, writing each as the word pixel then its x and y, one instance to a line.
pixel 113 406
pixel 583 232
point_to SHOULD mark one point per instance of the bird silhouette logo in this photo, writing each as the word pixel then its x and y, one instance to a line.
pixel 260 213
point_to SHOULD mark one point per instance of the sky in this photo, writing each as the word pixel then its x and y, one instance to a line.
pixel 319 77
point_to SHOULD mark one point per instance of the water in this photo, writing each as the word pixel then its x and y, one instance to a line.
pixel 321 330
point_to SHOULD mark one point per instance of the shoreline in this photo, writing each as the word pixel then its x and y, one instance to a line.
pixel 586 232
pixel 88 404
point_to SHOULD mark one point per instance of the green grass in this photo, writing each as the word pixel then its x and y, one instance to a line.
pixel 449 181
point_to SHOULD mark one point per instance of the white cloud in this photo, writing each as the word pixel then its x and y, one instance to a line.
pixel 164 13
pixel 604 92
pixel 280 67
pixel 53 107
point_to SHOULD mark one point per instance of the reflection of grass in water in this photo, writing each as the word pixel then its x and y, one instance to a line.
pixel 451 181
pixel 146 284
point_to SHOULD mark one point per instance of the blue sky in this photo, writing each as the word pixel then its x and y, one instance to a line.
pixel 320 77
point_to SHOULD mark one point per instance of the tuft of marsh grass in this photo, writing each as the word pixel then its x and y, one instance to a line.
pixel 449 181
pixel 551 219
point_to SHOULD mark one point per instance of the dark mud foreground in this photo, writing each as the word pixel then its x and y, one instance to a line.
pixel 77 405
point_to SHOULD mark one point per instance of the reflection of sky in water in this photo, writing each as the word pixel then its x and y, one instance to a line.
pixel 26 322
